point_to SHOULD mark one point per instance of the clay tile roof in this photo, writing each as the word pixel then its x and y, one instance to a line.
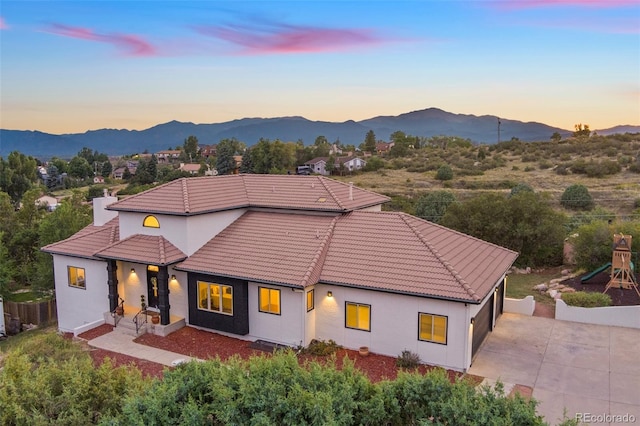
pixel 150 249
pixel 189 196
pixel 267 247
pixel 86 242
pixel 401 253
pixel 386 251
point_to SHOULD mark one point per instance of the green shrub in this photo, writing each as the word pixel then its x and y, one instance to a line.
pixel 408 359
pixel 50 380
pixel 433 205
pixel 444 172
pixel 322 347
pixel 576 197
pixel 586 299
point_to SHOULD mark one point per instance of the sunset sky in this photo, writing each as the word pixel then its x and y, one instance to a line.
pixel 69 67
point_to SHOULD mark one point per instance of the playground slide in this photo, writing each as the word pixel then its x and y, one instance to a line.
pixel 597 271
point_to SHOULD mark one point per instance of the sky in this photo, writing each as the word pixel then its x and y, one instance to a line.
pixel 73 66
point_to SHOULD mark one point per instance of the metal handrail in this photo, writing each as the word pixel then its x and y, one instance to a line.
pixel 115 316
pixel 140 319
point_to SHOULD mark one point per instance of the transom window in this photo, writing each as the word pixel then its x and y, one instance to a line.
pixel 76 277
pixel 310 300
pixel 358 316
pixel 151 222
pixel 432 328
pixel 269 300
pixel 215 297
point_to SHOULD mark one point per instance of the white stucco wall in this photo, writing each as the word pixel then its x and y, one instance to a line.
pixel 394 324
pixel 186 233
pixel 131 286
pixel 376 208
pixel 286 328
pixel 77 307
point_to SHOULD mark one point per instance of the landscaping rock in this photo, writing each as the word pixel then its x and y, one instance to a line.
pixel 552 293
pixel 556 280
pixel 565 272
pixel 541 287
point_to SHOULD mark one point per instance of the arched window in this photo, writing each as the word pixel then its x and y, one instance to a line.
pixel 151 222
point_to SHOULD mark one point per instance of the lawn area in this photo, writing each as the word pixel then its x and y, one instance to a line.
pixel 13 341
pixel 521 285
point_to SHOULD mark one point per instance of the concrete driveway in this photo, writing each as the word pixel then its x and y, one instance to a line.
pixel 583 368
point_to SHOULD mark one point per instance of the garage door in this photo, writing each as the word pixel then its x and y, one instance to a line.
pixel 499 300
pixel 482 325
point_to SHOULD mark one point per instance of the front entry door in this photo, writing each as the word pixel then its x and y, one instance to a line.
pixel 152 286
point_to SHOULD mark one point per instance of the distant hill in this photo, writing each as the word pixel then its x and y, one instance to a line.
pixel 428 122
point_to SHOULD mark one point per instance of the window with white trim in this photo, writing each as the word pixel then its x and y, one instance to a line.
pixel 215 297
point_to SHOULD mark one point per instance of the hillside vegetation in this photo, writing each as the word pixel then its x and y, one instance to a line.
pixel 608 166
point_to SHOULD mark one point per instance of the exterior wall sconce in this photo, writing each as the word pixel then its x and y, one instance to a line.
pixel 133 271
pixel 473 320
pixel 329 294
pixel 173 278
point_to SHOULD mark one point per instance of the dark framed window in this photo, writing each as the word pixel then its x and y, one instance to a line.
pixel 432 328
pixel 269 300
pixel 76 277
pixel 358 316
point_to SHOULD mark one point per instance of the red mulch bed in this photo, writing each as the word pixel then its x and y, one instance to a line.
pixel 207 345
pixel 619 296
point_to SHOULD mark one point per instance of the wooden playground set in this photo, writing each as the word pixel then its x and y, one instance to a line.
pixel 622 267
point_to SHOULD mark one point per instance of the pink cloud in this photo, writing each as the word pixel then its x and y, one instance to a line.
pixel 292 39
pixel 131 45
pixel 530 4
pixel 3 24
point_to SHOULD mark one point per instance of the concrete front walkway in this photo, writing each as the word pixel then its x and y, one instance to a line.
pixel 582 368
pixel 124 344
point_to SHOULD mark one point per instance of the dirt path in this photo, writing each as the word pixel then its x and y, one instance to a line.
pixel 546 311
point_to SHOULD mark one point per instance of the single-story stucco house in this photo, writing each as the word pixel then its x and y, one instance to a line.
pixel 286 259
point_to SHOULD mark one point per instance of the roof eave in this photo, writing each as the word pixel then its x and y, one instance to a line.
pixel 123 259
pixel 405 293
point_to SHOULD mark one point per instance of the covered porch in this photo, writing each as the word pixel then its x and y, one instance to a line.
pixel 140 279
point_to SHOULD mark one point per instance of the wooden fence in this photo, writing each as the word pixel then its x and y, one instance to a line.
pixel 36 313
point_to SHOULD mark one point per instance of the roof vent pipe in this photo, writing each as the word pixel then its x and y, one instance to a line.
pixel 104 192
pixel 350 191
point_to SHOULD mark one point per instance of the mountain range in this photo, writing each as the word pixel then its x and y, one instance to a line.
pixel 427 122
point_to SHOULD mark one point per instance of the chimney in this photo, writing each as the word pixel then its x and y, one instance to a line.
pixel 100 213
pixel 350 191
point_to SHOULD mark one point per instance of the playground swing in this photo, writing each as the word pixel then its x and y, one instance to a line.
pixel 622 268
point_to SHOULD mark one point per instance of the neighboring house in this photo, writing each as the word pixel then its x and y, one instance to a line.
pixel 167 156
pixel 318 165
pixel 190 168
pixel 350 163
pixel 118 173
pixel 208 150
pixel 384 147
pixel 98 179
pixel 48 202
pixel 286 259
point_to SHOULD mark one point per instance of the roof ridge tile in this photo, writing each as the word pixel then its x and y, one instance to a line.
pixel 161 250
pixel 185 195
pixel 319 257
pixel 438 256
pixel 336 199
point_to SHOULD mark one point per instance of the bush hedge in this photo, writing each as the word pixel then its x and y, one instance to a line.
pixel 587 299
